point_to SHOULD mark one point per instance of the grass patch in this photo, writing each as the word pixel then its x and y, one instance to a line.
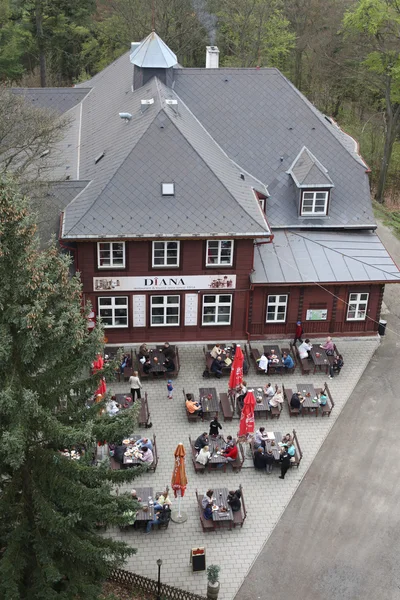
pixel 389 217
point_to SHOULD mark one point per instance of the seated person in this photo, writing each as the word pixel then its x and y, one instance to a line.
pixel 260 437
pixel 162 500
pixel 269 391
pixel 203 456
pixel 269 459
pixel 112 407
pixel 263 363
pixel 277 398
pixel 125 362
pixel 201 441
pixel 304 349
pixel 337 366
pixel 145 442
pixel 194 408
pixel 168 351
pixel 160 517
pixel 297 401
pixel 169 365
pixel 259 459
pixel 322 399
pixel 233 500
pixel 147 366
pixel 147 456
pixel 216 351
pixel 245 367
pixel 287 361
pixel 329 346
pixel 207 513
pixel 242 391
pixel 291 449
pixel 207 498
pixel 216 366
pixel 143 351
pixel 286 438
pixel 230 453
pixel 215 425
pixel 119 452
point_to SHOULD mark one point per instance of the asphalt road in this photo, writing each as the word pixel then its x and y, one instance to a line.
pixel 339 538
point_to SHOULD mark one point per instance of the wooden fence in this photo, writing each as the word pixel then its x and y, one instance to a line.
pixel 128 579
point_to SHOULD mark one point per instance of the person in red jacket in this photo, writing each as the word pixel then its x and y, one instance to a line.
pixel 298 333
pixel 230 453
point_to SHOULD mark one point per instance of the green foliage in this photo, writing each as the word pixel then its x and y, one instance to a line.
pixel 15 39
pixel 213 573
pixel 50 505
pixel 253 32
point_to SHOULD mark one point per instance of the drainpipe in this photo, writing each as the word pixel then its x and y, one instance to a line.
pixel 251 289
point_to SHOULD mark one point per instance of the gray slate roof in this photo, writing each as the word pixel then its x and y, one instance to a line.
pixel 153 53
pixel 311 256
pixel 165 143
pixel 58 99
pixel 307 171
pixel 262 122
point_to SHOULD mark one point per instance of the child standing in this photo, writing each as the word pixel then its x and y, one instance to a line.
pixel 170 388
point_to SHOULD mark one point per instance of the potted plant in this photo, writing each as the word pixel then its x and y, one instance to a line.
pixel 213 581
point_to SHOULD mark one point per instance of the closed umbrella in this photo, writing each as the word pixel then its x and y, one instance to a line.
pixel 236 376
pixel 102 389
pixel 179 482
pixel 98 363
pixel 247 417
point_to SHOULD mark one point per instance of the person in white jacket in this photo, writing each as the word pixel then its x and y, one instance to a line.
pixel 203 456
pixel 136 385
pixel 263 363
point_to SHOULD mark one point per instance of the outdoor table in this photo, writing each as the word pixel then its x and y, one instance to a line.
pixel 131 460
pixel 216 459
pixel 222 518
pixel 123 399
pixel 157 367
pixel 274 349
pixel 276 449
pixel 260 407
pixel 209 406
pixel 320 361
pixel 145 493
pixel 308 403
pixel 226 353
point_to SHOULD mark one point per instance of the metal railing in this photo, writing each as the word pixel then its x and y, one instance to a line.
pixel 168 592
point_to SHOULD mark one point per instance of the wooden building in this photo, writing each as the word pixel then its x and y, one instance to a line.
pixel 214 204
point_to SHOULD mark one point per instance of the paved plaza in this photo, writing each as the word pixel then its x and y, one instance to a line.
pixel 266 496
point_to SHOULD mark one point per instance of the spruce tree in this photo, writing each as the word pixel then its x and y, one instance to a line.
pixel 51 505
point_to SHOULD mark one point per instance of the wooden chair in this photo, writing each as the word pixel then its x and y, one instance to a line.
pixel 197 466
pixel 144 414
pixel 305 364
pixel 206 524
pixel 299 454
pixel 239 517
pixel 275 411
pixel 238 463
pixel 255 355
pixel 226 406
pixel 287 394
pixel 327 409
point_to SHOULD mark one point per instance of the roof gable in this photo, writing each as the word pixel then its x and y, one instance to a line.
pixel 308 172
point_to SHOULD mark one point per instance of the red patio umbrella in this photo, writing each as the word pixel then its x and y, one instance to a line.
pixel 247 417
pixel 236 376
pixel 179 480
pixel 101 390
pixel 98 363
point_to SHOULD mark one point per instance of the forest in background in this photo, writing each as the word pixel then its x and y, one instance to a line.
pixel 344 55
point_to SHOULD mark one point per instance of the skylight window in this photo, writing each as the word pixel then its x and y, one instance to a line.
pixel 168 189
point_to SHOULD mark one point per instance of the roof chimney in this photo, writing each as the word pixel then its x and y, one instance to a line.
pixel 212 57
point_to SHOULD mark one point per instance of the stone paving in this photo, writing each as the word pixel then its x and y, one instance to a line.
pixel 266 496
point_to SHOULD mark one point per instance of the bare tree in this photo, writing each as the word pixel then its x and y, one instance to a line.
pixel 28 135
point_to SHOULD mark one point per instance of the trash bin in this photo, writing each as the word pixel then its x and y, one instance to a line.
pixel 382 327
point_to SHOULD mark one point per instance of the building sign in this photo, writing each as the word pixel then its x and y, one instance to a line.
pixel 320 314
pixel 191 308
pixel 164 283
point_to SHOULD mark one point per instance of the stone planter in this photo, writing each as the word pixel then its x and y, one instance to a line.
pixel 212 590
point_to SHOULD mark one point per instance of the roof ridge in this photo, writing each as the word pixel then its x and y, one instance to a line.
pixel 219 148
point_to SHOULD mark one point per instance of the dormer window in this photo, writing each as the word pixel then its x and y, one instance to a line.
pixel 313 182
pixel 168 189
pixel 314 203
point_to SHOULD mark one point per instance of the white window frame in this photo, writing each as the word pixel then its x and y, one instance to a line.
pixel 165 305
pixel 113 307
pixel 165 243
pixel 111 265
pixel 219 263
pixel 313 212
pixel 355 299
pixel 276 304
pixel 216 303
